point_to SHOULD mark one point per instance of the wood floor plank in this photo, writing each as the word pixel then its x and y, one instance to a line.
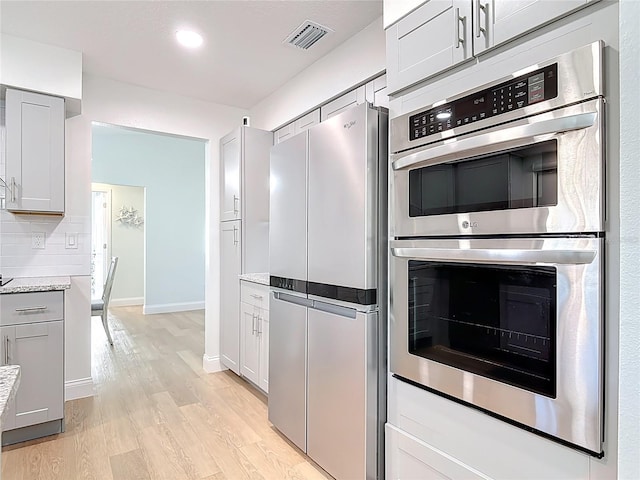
pixel 120 436
pixel 157 415
pixel 129 466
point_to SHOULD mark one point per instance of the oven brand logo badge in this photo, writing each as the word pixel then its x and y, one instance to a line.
pixel 590 92
pixel 350 124
pixel 466 224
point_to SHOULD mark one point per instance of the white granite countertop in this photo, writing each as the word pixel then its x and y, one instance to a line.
pixel 9 381
pixel 36 284
pixel 261 278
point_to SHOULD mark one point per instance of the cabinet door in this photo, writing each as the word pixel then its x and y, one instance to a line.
pixel 263 331
pixel 230 164
pixel 250 342
pixel 498 21
pixel 342 103
pixel 230 268
pixel 38 349
pixel 283 133
pixel 433 38
pixel 307 121
pixel 35 152
pixel 394 10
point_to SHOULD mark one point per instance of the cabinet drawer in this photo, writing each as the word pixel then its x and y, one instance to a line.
pixel 18 308
pixel 408 458
pixel 254 294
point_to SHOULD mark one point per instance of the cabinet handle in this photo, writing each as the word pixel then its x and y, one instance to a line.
pixel 484 8
pixel 260 326
pixel 253 325
pixel 236 199
pixel 13 189
pixel 459 40
pixel 6 349
pixel 235 235
pixel 32 309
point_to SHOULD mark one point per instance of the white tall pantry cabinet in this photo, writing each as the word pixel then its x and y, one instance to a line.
pixel 244 229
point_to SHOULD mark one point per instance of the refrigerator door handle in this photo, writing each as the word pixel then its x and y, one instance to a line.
pixel 285 297
pixel 335 309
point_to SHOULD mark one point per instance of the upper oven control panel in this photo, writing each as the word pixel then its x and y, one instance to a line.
pixel 508 96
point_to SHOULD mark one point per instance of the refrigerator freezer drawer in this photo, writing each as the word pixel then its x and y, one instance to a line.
pixel 287 369
pixel 342 392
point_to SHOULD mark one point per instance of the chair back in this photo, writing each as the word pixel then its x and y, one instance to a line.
pixel 106 292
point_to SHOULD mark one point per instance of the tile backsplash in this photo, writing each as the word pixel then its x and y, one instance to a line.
pixel 18 258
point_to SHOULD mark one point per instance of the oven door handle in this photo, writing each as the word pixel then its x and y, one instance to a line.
pixel 507 256
pixel 495 140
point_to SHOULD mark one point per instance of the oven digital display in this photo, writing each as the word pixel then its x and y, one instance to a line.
pixel 512 95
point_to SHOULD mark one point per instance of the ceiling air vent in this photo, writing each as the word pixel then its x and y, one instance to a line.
pixel 306 35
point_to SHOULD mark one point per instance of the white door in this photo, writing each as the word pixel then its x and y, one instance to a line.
pixel 100 240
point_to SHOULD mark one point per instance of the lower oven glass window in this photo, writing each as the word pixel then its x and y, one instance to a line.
pixel 525 177
pixel 494 321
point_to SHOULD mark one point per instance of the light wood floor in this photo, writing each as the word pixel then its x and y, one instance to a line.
pixel 157 415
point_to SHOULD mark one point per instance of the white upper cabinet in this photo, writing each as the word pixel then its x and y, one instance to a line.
pixel 300 125
pixel 433 38
pixel 306 121
pixel 34 152
pixel 342 103
pixel 498 21
pixel 394 10
pixel 283 133
pixel 230 146
pixel 441 34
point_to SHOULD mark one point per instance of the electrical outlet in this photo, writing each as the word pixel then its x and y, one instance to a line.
pixel 37 240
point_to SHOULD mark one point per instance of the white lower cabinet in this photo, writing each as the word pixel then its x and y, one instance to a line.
pixel 408 458
pixel 32 334
pixel 431 437
pixel 254 339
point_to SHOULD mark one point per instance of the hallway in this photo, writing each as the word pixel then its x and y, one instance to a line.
pixel 157 415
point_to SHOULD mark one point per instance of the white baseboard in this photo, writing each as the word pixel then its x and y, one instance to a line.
pixel 126 302
pixel 172 307
pixel 212 364
pixel 81 388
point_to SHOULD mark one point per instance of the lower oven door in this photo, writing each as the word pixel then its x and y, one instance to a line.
pixel 510 326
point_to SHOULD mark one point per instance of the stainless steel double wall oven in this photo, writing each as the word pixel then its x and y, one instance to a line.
pixel 496 265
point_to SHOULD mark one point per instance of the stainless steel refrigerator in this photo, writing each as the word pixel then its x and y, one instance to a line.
pixel 327 238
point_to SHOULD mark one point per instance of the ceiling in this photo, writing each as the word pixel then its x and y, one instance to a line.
pixel 243 58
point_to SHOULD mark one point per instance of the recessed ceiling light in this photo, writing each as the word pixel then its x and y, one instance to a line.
pixel 189 38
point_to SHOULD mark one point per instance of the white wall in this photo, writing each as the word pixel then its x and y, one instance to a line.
pixel 629 390
pixel 127 243
pixel 42 68
pixel 356 60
